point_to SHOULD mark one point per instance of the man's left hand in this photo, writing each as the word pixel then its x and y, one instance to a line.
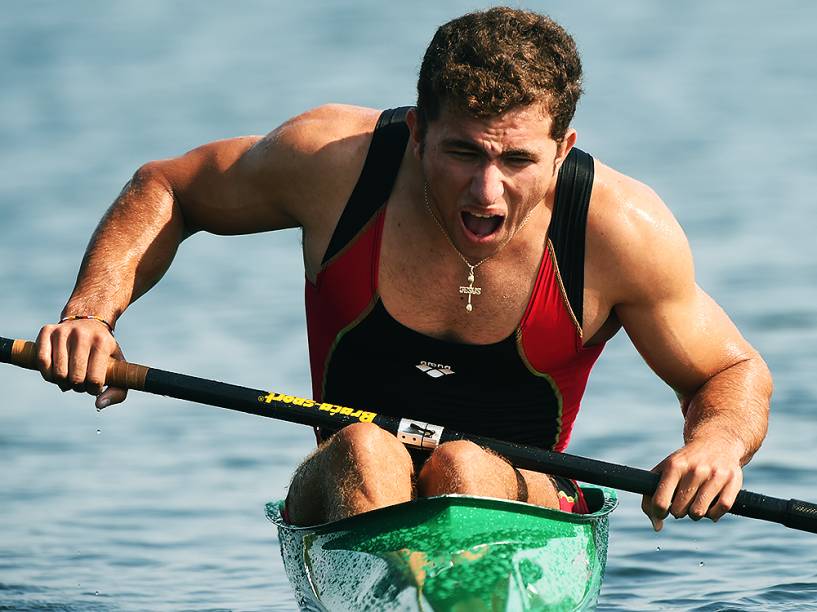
pixel 700 480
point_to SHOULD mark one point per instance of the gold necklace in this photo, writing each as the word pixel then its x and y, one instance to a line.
pixel 470 290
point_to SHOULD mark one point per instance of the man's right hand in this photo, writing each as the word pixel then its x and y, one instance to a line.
pixel 75 354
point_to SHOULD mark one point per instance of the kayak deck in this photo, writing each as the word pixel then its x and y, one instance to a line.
pixel 451 553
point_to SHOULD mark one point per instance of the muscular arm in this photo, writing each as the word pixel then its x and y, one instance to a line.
pixel 723 384
pixel 297 176
pixel 212 188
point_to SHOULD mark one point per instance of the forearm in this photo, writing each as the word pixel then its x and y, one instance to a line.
pixel 732 408
pixel 131 248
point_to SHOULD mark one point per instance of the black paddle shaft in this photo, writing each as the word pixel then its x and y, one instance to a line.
pixel 792 513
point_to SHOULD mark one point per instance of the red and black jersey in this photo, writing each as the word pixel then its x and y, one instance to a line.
pixel 525 388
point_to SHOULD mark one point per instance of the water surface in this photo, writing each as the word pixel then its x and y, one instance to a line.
pixel 159 504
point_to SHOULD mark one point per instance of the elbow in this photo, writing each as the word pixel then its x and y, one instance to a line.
pixel 753 375
pixel 152 182
pixel 766 380
pixel 763 385
pixel 151 176
pixel 759 377
pixel 748 377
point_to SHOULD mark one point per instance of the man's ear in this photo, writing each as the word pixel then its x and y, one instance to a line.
pixel 416 134
pixel 564 148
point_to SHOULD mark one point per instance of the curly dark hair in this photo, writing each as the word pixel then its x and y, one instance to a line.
pixel 488 62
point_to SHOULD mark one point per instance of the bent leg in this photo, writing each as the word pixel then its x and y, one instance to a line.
pixel 465 468
pixel 358 469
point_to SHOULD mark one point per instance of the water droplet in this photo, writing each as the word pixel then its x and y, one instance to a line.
pixel 96 592
pixel 98 431
pixel 701 564
pixel 658 548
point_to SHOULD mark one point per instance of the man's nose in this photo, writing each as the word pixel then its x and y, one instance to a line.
pixel 487 185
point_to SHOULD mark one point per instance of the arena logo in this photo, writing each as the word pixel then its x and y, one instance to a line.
pixel 435 370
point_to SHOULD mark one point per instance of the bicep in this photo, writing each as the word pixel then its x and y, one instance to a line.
pixel 685 337
pixel 299 175
pixel 228 187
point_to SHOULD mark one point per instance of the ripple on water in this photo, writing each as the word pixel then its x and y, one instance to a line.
pixel 164 510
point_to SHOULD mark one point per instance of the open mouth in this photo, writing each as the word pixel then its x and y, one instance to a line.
pixel 482 226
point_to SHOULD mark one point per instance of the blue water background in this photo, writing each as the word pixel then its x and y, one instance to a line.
pixel 158 504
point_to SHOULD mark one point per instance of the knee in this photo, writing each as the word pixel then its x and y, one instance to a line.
pixel 453 467
pixel 365 443
pixel 459 455
pixel 359 468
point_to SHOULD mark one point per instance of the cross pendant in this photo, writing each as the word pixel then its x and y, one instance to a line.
pixel 470 289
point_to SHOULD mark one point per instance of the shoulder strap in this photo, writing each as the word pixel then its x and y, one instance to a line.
pixel 376 179
pixel 567 228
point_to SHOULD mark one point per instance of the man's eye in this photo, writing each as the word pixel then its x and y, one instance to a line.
pixel 519 161
pixel 463 154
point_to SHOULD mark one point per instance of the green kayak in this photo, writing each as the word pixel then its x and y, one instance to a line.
pixel 451 553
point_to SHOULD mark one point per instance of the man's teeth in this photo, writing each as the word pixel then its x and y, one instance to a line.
pixel 481 216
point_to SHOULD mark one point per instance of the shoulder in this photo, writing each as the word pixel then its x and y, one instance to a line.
pixel 317 158
pixel 312 161
pixel 321 146
pixel 311 132
pixel 634 240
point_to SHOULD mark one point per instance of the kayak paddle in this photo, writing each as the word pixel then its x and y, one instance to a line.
pixel 792 513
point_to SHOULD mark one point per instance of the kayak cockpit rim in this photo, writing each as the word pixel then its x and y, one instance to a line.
pixel 601 500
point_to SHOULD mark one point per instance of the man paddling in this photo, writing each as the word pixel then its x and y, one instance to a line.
pixel 465 265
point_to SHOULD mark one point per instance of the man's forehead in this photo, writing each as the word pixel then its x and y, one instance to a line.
pixel 529 122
